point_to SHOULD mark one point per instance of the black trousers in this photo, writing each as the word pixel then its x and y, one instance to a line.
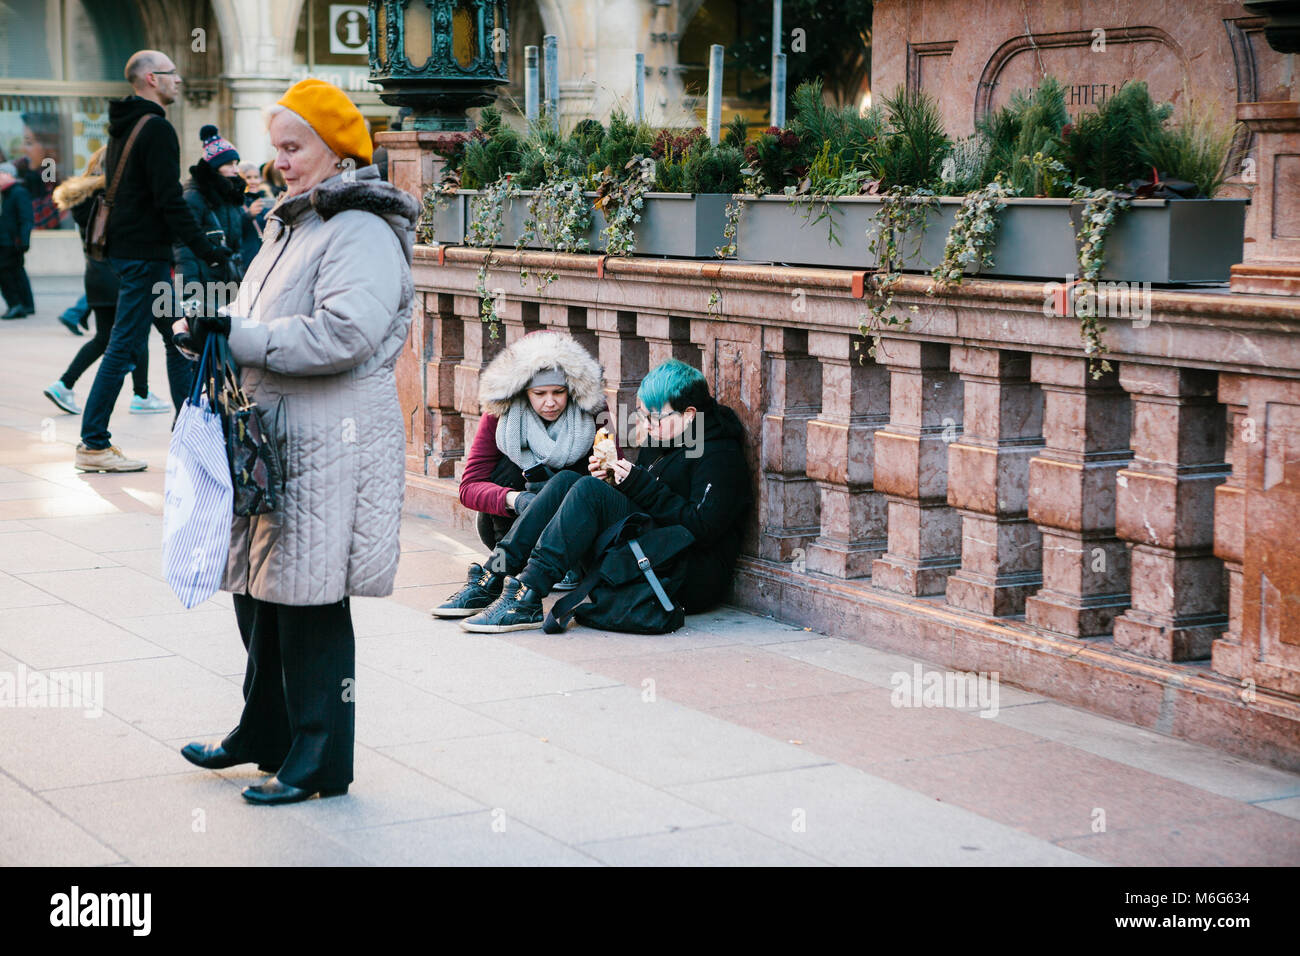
pixel 299 690
pixel 14 286
pixel 557 530
pixel 93 349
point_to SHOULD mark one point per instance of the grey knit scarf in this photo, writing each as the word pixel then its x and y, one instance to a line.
pixel 526 439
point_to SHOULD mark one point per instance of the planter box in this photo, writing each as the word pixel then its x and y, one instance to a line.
pixel 1157 240
pixel 681 225
pixel 449 220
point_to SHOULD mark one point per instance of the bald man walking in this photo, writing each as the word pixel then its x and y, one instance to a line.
pixel 149 213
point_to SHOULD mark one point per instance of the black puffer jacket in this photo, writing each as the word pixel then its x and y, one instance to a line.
pixel 708 493
pixel 218 206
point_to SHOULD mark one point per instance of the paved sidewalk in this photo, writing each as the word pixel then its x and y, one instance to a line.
pixel 738 740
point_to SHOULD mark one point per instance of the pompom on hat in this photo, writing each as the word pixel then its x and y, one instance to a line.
pixel 217 151
pixel 333 116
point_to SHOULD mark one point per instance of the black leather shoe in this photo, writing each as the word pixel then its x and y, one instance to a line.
pixel 17 312
pixel 275 792
pixel 483 588
pixel 210 756
pixel 519 608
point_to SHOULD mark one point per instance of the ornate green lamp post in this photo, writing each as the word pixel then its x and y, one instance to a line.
pixel 438 57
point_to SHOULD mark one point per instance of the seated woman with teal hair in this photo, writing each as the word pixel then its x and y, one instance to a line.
pixel 689 470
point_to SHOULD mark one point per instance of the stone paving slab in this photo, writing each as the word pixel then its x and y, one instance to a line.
pixel 739 740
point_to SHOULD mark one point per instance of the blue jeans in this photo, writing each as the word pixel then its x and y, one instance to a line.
pixel 135 301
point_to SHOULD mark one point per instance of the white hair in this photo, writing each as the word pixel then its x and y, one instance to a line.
pixel 276 109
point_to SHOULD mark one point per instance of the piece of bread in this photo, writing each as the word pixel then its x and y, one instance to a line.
pixel 604 449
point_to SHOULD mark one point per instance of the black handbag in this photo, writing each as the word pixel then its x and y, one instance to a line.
pixel 255 469
pixel 636 571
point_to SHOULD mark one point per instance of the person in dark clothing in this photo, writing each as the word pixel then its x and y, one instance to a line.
pixel 690 470
pixel 77 194
pixel 15 239
pixel 148 215
pixel 215 194
pixel 540 399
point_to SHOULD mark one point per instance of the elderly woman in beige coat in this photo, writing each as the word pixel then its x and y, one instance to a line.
pixel 320 319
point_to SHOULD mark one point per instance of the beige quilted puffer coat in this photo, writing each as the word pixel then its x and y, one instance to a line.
pixel 321 317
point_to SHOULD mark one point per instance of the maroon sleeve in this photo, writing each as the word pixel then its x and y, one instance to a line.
pixel 476 492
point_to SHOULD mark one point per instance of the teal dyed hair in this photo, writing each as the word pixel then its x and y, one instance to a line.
pixel 673 383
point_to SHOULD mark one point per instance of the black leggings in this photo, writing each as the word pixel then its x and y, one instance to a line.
pixel 89 353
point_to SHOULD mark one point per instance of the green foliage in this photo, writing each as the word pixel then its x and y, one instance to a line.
pixel 911 150
pixel 1194 149
pixel 736 132
pixel 714 170
pixel 1030 124
pixel 850 135
pixel 621 142
pixel 493 150
pixel 777 159
pixel 1102 149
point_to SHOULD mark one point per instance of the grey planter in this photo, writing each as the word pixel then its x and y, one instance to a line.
pixel 681 225
pixel 1157 240
pixel 449 220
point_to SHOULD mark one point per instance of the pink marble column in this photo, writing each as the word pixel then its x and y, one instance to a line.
pixel 1072 498
pixel 840 455
pixel 519 317
pixel 1165 509
pixel 444 350
pixel 911 468
pixel 571 320
pixel 1230 519
pixel 667 337
pixel 790 499
pixel 479 348
pixel 988 482
pixel 624 356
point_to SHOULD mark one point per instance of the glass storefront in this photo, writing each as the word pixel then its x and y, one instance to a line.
pixel 60 63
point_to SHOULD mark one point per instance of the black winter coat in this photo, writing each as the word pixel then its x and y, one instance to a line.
pixel 101 280
pixel 16 217
pixel 216 205
pixel 148 211
pixel 709 494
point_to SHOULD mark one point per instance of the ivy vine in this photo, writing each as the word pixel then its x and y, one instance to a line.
pixel 485 225
pixel 973 233
pixel 1100 207
pixel 904 211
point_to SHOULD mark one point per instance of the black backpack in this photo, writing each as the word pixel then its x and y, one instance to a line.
pixel 635 573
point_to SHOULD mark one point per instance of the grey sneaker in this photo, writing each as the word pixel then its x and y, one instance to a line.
pixel 62 396
pixel 108 459
pixel 151 404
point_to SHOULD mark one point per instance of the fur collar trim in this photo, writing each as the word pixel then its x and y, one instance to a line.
pixel 509 373
pixel 75 190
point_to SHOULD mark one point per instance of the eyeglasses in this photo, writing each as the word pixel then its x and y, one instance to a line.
pixel 654 418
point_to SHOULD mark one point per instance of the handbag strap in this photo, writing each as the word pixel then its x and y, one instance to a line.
pixel 643 563
pixel 121 160
pixel 558 617
pixel 201 376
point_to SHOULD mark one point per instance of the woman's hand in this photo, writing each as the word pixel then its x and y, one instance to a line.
pixel 511 498
pixel 181 338
pixel 595 467
pixel 622 468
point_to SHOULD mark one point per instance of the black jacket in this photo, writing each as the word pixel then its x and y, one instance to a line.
pixel 216 205
pixel 16 217
pixel 101 280
pixel 148 211
pixel 705 489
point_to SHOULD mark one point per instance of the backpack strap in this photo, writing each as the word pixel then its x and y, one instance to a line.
pixel 557 619
pixel 643 563
pixel 121 160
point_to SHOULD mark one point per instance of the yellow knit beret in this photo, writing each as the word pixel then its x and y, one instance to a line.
pixel 333 116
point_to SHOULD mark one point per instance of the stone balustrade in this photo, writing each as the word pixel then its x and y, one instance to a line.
pixel 972 494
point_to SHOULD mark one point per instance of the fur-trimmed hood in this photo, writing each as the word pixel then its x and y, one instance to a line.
pixel 75 190
pixel 509 373
pixel 363 190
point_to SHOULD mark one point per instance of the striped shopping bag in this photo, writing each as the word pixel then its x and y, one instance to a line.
pixel 197 495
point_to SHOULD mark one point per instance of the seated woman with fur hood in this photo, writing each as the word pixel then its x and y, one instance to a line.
pixel 540 399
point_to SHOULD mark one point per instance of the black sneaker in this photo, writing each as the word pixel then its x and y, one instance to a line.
pixel 517 609
pixel 570 581
pixel 483 588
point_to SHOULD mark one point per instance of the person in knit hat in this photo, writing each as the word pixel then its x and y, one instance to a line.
pixel 316 331
pixel 214 192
